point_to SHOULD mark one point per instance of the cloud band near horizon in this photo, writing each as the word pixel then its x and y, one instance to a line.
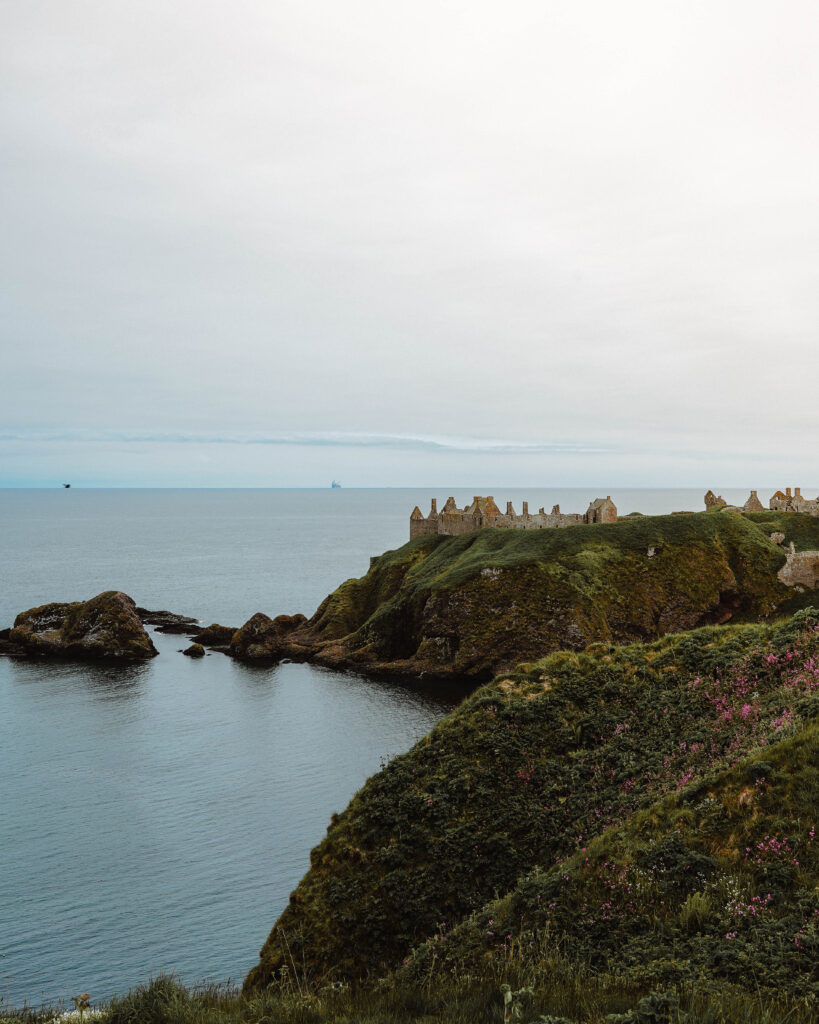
pixel 463 445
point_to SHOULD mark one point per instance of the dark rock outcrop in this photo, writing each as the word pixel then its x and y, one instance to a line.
pixel 265 639
pixel 169 622
pixel 214 635
pixel 8 648
pixel 106 628
pixel 194 651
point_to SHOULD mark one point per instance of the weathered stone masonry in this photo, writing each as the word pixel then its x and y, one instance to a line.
pixel 780 502
pixel 788 502
pixel 483 513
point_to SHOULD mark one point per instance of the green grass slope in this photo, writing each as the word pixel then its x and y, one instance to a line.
pixel 709 884
pixel 474 605
pixel 528 771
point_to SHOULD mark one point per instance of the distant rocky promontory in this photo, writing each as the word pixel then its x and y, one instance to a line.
pixel 472 605
pixel 468 606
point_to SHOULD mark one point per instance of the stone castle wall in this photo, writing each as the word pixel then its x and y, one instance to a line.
pixel 483 513
pixel 794 502
pixel 782 501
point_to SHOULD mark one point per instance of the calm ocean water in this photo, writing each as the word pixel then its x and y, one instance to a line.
pixel 156 818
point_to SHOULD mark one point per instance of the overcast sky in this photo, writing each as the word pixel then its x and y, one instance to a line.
pixel 270 242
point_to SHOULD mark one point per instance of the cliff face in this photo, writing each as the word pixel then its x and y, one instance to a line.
pixel 477 604
pixel 626 763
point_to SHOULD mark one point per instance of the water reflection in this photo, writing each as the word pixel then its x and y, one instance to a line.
pixel 101 681
pixel 443 694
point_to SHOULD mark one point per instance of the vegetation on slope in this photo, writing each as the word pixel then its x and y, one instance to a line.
pixel 473 605
pixel 544 989
pixel 705 885
pixel 526 773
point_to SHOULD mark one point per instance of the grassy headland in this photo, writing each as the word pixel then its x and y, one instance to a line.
pixel 474 605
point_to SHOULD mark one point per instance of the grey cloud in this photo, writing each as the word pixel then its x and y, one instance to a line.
pixel 446 221
pixel 463 445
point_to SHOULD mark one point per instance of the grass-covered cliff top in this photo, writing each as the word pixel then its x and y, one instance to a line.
pixel 575 747
pixel 476 604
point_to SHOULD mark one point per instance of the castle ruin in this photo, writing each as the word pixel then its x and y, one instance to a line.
pixel 780 502
pixel 483 513
pixel 788 502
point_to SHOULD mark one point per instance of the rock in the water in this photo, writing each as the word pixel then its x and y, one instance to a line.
pixel 215 635
pixel 7 647
pixel 105 628
pixel 169 622
pixel 262 638
pixel 194 651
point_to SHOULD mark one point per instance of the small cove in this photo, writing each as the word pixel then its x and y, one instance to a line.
pixel 156 817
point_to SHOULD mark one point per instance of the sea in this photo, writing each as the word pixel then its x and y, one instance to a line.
pixel 155 818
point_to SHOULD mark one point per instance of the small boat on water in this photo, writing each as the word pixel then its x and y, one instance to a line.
pixel 335 484
pixel 66 485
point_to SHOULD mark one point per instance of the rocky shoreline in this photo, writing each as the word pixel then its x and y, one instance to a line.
pixel 471 606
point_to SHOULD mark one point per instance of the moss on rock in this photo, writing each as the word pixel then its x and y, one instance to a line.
pixel 262 638
pixel 215 635
pixel 105 628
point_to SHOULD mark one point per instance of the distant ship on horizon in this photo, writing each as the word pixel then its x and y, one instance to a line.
pixel 335 484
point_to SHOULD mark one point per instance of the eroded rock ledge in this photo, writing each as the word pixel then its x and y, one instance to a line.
pixel 168 622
